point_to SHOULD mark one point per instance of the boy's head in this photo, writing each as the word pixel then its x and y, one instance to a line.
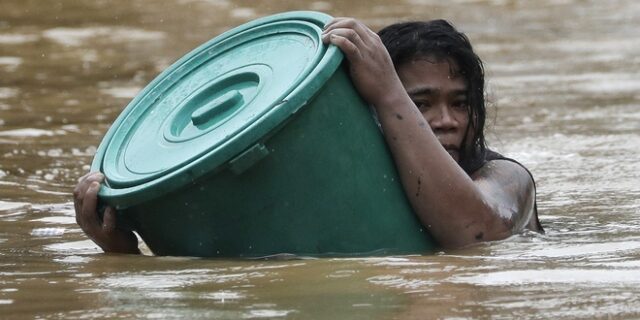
pixel 439 40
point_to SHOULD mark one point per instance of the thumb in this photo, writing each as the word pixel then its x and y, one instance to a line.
pixel 109 220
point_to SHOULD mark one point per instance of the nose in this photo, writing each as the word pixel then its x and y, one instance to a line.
pixel 443 119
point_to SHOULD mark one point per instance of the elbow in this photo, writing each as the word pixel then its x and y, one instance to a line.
pixel 471 238
pixel 489 227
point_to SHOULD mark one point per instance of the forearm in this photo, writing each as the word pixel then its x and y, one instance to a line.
pixel 443 196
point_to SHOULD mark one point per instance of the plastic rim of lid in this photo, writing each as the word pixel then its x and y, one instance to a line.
pixel 212 104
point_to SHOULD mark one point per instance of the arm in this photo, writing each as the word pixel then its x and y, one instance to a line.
pixel 456 209
pixel 104 233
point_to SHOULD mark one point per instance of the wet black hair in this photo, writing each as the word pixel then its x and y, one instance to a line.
pixel 439 39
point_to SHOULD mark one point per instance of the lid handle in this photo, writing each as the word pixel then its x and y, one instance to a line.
pixel 216 107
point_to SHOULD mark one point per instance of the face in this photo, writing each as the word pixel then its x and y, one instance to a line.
pixel 441 96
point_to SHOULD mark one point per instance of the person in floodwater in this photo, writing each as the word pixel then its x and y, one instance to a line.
pixel 427 87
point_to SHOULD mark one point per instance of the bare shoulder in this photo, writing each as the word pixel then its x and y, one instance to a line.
pixel 504 172
pixel 510 190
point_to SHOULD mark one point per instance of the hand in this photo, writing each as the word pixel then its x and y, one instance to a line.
pixel 370 65
pixel 104 233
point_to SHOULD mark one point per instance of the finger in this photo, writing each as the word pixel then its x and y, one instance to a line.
pixel 85 176
pixel 348 23
pixel 88 219
pixel 350 50
pixel 109 220
pixel 83 179
pixel 77 195
pixel 76 190
pixel 349 34
pixel 373 34
pixel 85 183
pixel 342 22
pixel 331 24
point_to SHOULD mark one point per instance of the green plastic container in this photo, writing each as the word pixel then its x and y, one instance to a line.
pixel 256 144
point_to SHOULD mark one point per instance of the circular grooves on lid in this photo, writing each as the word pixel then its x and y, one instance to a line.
pixel 213 104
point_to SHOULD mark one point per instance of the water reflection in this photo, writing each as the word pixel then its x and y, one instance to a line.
pixel 563 82
pixel 591 277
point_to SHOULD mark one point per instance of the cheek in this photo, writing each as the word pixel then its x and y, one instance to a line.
pixel 462 117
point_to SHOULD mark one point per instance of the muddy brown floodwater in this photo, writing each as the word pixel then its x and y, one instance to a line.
pixel 564 82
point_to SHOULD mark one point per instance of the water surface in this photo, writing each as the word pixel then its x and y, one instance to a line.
pixel 564 86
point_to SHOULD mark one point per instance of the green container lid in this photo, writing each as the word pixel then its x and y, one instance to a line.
pixel 213 104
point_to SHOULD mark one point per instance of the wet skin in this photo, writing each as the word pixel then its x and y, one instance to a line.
pixel 420 108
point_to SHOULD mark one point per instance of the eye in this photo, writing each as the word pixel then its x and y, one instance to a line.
pixel 422 104
pixel 461 103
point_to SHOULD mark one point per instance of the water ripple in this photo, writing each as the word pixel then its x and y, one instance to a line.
pixel 78 36
pixel 593 277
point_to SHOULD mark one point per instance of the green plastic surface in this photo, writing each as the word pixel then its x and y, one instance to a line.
pixel 214 103
pixel 254 144
pixel 328 187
